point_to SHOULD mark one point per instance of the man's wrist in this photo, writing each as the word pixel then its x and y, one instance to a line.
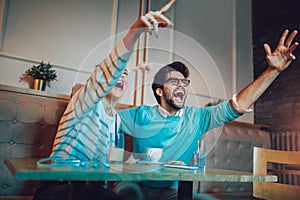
pixel 238 107
pixel 276 69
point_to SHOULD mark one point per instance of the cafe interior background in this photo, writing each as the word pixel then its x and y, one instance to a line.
pixel 220 40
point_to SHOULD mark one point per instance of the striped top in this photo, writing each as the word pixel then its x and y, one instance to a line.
pixel 85 129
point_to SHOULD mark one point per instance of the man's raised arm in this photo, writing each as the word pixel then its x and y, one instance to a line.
pixel 278 60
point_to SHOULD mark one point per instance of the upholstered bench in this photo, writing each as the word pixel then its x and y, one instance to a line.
pixel 233 151
pixel 28 123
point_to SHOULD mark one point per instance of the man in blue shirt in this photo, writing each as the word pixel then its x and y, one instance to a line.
pixel 176 128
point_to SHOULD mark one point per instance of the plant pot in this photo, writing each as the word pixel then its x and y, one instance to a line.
pixel 39 84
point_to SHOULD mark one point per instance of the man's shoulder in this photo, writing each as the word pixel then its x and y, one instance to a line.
pixel 195 110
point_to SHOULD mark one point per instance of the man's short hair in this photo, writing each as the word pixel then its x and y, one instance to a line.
pixel 161 75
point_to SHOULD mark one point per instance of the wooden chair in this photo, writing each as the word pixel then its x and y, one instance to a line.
pixel 269 190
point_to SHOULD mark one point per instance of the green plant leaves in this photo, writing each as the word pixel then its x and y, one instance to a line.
pixel 42 71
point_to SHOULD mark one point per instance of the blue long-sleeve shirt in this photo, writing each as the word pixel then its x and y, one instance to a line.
pixel 177 135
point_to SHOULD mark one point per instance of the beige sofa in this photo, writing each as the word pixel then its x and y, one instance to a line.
pixel 28 123
pixel 233 151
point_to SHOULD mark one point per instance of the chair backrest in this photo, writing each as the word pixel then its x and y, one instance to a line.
pixel 276 190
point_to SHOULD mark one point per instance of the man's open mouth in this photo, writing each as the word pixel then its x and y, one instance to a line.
pixel 179 93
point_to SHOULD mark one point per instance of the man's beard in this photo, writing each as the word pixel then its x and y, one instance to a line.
pixel 170 102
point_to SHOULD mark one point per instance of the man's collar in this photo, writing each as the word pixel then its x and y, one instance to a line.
pixel 165 113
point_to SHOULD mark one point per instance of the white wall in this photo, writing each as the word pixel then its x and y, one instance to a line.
pixel 62 32
pixel 213 37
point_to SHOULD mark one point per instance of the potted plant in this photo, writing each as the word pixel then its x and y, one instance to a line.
pixel 42 74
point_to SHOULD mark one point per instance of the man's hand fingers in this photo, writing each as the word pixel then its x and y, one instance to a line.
pixel 291 49
pixel 267 49
pixel 294 46
pixel 291 38
pixel 282 38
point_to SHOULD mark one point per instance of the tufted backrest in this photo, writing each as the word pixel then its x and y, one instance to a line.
pixel 234 151
pixel 28 123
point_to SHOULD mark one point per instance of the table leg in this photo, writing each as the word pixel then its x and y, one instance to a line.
pixel 185 190
pixel 77 190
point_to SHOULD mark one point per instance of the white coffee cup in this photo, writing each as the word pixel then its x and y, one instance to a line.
pixel 115 154
pixel 154 154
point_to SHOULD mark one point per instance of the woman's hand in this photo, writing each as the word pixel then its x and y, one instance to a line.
pixel 151 22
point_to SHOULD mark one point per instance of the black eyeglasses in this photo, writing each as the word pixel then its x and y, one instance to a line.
pixel 175 81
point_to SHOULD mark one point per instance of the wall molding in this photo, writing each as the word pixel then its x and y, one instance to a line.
pixel 36 61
